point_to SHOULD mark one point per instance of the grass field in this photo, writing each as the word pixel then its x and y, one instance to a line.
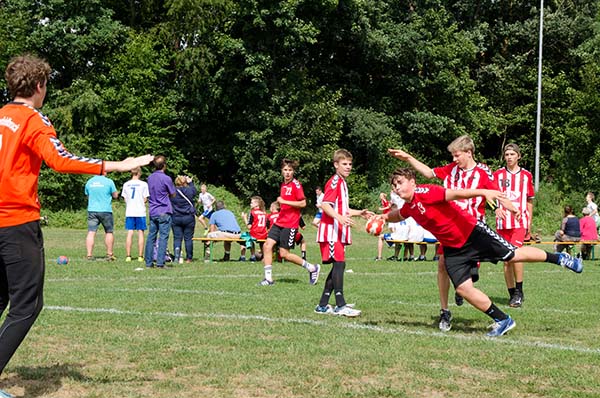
pixel 207 330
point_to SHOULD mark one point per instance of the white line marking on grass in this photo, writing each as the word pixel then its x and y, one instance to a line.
pixel 180 291
pixel 348 325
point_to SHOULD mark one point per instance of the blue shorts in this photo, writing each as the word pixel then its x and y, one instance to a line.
pixel 319 215
pixel 135 223
pixel 207 213
pixel 95 218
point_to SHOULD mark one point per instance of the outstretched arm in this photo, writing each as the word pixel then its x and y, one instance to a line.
pixel 490 195
pixel 128 164
pixel 420 167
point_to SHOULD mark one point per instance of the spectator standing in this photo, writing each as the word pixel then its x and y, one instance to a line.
pixel 184 218
pixel 589 198
pixel 224 225
pixel 207 201
pixel 517 184
pixel 319 194
pixel 28 138
pixel 569 231
pixel 161 189
pixel 587 226
pixel 135 192
pixel 100 191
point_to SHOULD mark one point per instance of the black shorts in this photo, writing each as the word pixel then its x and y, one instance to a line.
pixel 484 244
pixel 283 237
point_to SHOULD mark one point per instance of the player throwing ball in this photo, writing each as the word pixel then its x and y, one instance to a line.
pixel 465 239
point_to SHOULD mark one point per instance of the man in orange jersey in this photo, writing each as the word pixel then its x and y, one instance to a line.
pixel 26 139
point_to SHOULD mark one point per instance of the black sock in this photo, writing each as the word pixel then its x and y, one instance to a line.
pixel 552 258
pixel 327 290
pixel 303 254
pixel 519 286
pixel 338 282
pixel 496 313
pixel 511 291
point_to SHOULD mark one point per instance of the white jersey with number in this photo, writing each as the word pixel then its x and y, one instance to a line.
pixel 518 187
pixel 135 193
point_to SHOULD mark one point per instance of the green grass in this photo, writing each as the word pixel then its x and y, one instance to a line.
pixel 207 330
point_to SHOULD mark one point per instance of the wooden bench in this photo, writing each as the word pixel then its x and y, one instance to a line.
pixel 569 243
pixel 208 244
pixel 403 244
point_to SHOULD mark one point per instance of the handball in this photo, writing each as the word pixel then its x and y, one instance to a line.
pixel 62 260
pixel 375 226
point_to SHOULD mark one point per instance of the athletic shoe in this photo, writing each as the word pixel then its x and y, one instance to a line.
pixel 346 311
pixel 378 259
pixel 325 310
pixel 313 277
pixel 266 282
pixel 140 259
pixel 445 320
pixel 421 258
pixel 393 258
pixel 111 257
pixel 435 258
pixel 91 258
pixel 253 258
pixel 458 299
pixel 242 258
pixel 570 262
pixel 516 300
pixel 501 327
pixel 4 394
pixel 128 259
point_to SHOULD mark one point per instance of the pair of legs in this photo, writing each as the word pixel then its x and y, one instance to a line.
pixel 284 238
pixel 159 229
pixel 183 231
pixel 21 284
pixel 226 244
pixel 513 271
pixel 94 220
pixel 129 242
pixel 380 248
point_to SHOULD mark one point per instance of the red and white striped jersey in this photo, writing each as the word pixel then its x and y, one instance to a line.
pixel 479 177
pixel 518 187
pixel 335 194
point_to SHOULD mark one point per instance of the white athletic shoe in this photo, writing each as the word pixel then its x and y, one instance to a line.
pixel 346 311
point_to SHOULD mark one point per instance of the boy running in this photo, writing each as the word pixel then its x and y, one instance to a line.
pixel 283 232
pixel 466 239
pixel 334 234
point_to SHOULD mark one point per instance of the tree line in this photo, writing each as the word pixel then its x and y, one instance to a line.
pixel 227 88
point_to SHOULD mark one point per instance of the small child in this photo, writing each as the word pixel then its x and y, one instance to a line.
pixel 273 214
pixel 207 201
pixel 257 224
pixel 334 235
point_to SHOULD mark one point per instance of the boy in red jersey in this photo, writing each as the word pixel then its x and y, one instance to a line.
pixel 257 223
pixel 26 139
pixel 283 232
pixel 517 184
pixel 463 173
pixel 465 239
pixel 334 234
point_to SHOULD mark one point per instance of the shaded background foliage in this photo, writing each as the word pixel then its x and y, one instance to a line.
pixel 226 89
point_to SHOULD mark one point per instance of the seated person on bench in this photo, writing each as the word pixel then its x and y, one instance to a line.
pixel 224 225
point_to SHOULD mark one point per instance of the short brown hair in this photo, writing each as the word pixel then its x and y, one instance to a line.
pixel 341 154
pixel 24 73
pixel 290 163
pixel 405 172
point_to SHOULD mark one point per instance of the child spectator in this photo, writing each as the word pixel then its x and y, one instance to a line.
pixel 135 192
pixel 207 201
pixel 257 224
pixel 589 198
pixel 385 203
pixel 273 214
pixel 317 219
pixel 587 226
pixel 334 235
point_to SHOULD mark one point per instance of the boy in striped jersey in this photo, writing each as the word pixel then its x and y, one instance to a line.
pixel 517 184
pixel 463 173
pixel 334 234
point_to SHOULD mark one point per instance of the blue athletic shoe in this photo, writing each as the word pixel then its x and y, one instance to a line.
pixel 325 310
pixel 570 262
pixel 501 327
pixel 314 276
pixel 4 394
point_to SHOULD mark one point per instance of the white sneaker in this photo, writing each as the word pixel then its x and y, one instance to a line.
pixel 346 311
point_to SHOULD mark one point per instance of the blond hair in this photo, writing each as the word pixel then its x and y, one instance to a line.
pixel 260 201
pixel 464 143
pixel 181 181
pixel 341 154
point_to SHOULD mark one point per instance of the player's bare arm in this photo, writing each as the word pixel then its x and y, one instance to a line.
pixel 294 203
pixel 419 166
pixel 490 195
pixel 128 164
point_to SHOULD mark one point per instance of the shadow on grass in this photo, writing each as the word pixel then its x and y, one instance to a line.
pixel 500 300
pixel 458 324
pixel 38 381
pixel 287 280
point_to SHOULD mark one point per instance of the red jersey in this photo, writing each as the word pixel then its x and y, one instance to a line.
pixel 273 218
pixel 451 225
pixel 26 139
pixel 257 223
pixel 385 204
pixel 518 187
pixel 330 230
pixel 289 216
pixel 479 177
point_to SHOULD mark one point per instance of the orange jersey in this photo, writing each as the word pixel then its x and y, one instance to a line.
pixel 26 139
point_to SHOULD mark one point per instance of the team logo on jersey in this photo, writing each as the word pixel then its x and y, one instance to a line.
pixel 8 122
pixel 421 190
pixel 334 181
pixel 296 183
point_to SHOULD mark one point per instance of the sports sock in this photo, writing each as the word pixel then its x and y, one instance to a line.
pixel 304 255
pixel 496 313
pixel 308 266
pixel 519 286
pixel 338 282
pixel 511 291
pixel 552 258
pixel 327 290
pixel 268 272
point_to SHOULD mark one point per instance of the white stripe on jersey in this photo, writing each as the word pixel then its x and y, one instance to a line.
pixel 331 230
pixel 518 188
